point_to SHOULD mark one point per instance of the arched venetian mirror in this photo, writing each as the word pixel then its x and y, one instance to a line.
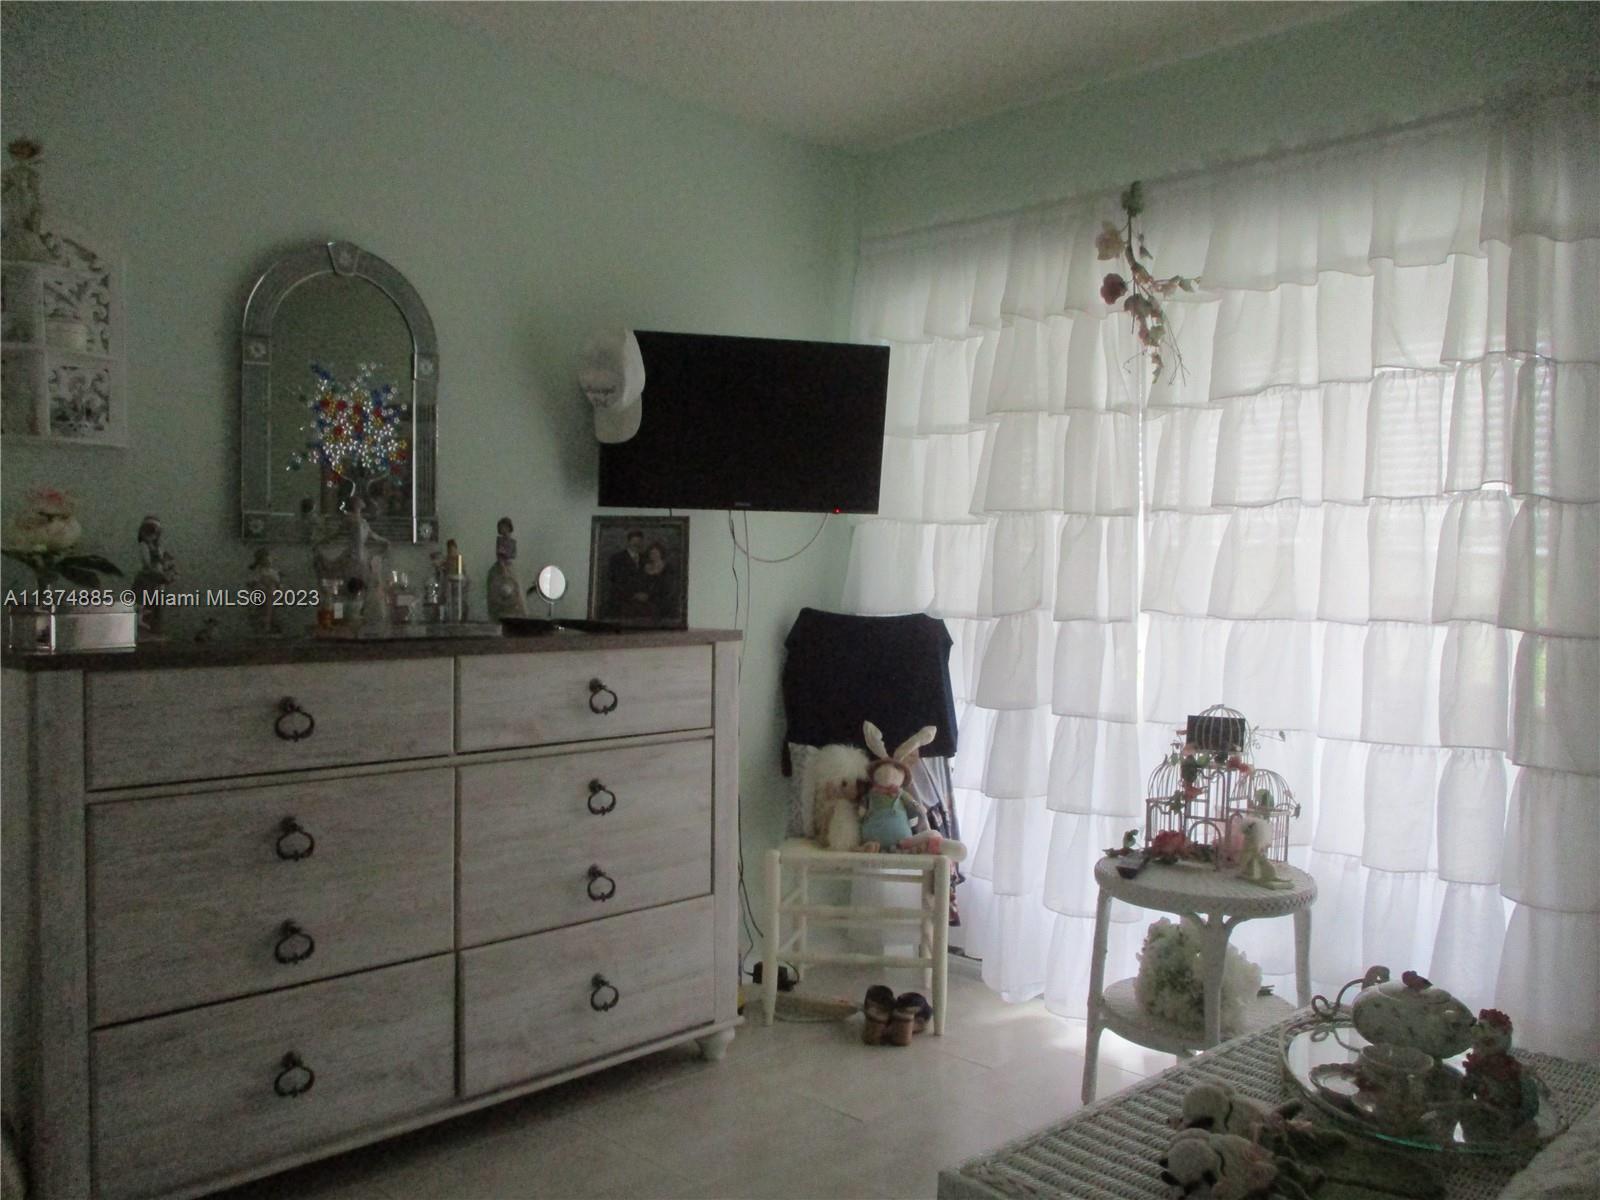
pixel 340 376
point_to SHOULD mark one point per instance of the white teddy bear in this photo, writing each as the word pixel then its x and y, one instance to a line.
pixel 833 779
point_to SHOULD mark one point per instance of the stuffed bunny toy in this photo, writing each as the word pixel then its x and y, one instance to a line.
pixel 1223 1166
pixel 888 805
pixel 1216 1107
pixel 1254 865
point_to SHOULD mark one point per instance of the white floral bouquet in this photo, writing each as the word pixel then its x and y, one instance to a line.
pixel 42 537
pixel 1170 983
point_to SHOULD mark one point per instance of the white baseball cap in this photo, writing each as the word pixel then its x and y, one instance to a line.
pixel 611 376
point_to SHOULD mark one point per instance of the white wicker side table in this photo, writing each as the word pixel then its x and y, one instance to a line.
pixel 1218 901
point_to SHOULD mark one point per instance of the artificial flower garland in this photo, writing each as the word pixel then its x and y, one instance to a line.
pixel 1140 293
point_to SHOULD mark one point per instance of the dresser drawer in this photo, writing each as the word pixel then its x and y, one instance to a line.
pixel 532 699
pixel 212 722
pixel 185 1098
pixel 531 831
pixel 537 1004
pixel 189 894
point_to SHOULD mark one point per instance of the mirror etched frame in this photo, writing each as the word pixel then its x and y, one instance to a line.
pixel 259 522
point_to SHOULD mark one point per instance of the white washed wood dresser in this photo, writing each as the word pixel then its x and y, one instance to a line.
pixel 287 899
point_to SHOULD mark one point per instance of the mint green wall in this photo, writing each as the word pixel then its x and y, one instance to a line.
pixel 1376 66
pixel 527 203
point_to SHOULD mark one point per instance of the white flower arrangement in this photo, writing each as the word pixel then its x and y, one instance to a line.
pixel 42 537
pixel 1169 984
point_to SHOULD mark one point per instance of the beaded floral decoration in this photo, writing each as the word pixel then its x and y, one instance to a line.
pixel 355 427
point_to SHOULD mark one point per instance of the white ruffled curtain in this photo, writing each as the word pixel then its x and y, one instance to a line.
pixel 1367 514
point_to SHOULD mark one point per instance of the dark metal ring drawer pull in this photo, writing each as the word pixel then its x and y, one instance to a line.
pixel 287 708
pixel 598 807
pixel 294 841
pixel 607 885
pixel 596 704
pixel 295 1079
pixel 294 944
pixel 598 1000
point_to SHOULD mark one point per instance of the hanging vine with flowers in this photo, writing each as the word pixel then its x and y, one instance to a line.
pixel 1140 292
pixel 355 429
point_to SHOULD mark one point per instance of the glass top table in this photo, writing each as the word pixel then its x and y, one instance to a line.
pixel 1319 1060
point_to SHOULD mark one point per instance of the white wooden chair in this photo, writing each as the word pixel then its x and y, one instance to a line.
pixel 790 915
pixel 841 669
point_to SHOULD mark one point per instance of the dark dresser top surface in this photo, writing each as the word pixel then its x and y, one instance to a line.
pixel 312 648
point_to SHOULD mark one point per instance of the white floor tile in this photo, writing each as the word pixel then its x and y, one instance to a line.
pixel 795 1111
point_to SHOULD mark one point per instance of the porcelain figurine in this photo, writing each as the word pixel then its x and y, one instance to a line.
pixel 503 594
pixel 1410 1011
pixel 157 570
pixel 355 552
pixel 265 578
pixel 23 230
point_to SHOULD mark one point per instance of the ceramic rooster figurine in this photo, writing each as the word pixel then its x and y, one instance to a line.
pixel 1495 1079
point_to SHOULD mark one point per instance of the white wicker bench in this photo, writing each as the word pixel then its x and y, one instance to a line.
pixel 1109 1150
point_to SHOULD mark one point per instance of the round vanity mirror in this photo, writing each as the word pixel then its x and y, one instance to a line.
pixel 551 586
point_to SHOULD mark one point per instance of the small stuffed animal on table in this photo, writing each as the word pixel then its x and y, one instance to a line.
pixel 1223 1166
pixel 1215 1107
pixel 1254 865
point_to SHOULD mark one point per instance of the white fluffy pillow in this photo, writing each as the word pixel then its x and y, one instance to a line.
pixel 1567 1169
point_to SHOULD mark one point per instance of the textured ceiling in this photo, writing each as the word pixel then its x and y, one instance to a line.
pixel 861 76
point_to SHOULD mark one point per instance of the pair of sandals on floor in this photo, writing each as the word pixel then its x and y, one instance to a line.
pixel 891 1020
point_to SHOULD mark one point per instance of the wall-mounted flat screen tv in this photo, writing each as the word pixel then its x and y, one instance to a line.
pixel 753 423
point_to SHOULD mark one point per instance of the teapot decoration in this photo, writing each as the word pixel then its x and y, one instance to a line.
pixel 1409 1011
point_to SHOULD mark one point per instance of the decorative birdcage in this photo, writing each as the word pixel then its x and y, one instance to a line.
pixel 1209 779
pixel 1266 795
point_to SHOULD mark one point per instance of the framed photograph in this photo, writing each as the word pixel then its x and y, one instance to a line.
pixel 639 572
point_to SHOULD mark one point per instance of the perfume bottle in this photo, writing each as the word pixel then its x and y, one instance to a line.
pixel 330 607
pixel 455 583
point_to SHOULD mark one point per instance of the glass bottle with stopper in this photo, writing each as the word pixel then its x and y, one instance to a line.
pixel 453 577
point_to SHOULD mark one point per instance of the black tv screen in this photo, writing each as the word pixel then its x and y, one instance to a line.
pixel 754 423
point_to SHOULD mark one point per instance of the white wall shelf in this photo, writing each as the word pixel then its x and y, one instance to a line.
pixel 62 344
